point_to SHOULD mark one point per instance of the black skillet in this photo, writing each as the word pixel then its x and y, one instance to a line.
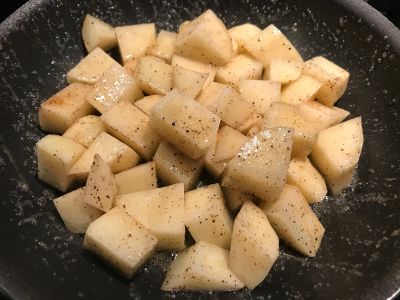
pixel 360 253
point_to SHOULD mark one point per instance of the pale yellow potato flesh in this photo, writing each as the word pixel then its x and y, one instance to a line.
pixel 164 47
pixel 283 70
pixel 188 81
pixel 236 198
pixel 146 103
pixel 140 178
pixel 85 130
pixel 228 143
pixel 241 34
pixel 304 89
pixel 97 33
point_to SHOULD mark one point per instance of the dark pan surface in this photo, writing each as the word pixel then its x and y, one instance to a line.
pixel 360 253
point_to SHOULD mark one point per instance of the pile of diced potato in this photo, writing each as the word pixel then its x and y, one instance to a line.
pixel 238 104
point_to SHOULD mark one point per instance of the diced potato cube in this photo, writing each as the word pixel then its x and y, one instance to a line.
pixel 334 79
pixel 205 39
pixel 260 93
pixel 76 213
pixel 130 66
pixel 161 211
pixel 213 167
pixel 56 155
pixel 202 267
pixel 283 70
pixel 118 155
pixel 322 116
pixel 224 101
pixel 61 110
pixel 188 81
pixel 136 179
pixel 271 44
pixel 254 130
pixel 254 119
pixel 115 86
pixel 164 47
pixel 337 151
pixel 303 175
pixel 228 143
pixel 261 166
pixel 174 167
pixel 302 90
pixel 239 68
pixel 286 115
pixel 146 103
pixel 154 75
pixel 97 33
pixel 207 217
pixel 85 130
pixel 241 34
pixel 184 123
pixel 195 66
pixel 135 41
pixel 295 222
pixel 120 241
pixel 101 188
pixel 183 26
pixel 254 247
pixel 235 198
pixel 91 67
pixel 130 125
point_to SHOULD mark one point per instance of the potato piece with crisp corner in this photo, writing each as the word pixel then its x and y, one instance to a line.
pixel 56 155
pixel 91 67
pixel 161 211
pixel 164 47
pixel 174 167
pixel 154 75
pixel 337 151
pixel 184 123
pixel 64 108
pixel 120 241
pixel 261 166
pixel 241 34
pixel 294 221
pixel 205 39
pixel 228 143
pixel 302 90
pixel 130 125
pixel 254 247
pixel 114 86
pixel 207 217
pixel 146 103
pixel 100 189
pixel 140 178
pixel 85 130
pixel 97 33
pixel 117 154
pixel 202 267
pixel 74 212
pixel 260 93
pixel 135 41
pixel 188 81
pixel 235 198
pixel 283 70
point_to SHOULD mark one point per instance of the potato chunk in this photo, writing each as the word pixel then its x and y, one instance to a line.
pixel 254 119
pixel 228 143
pixel 154 75
pixel 184 123
pixel 270 44
pixel 283 70
pixel 303 175
pixel 164 47
pixel 91 67
pixel 135 41
pixel 120 241
pixel 118 155
pixel 174 167
pixel 302 90
pixel 261 166
pixel 334 79
pixel 241 67
pixel 205 39
pixel 260 93
pixel 146 103
pixel 188 81
pixel 202 267
pixel 136 179
pixel 241 34
pixel 130 125
pixel 97 33
pixel 207 217
pixel 255 246
pixel 76 213
pixel 337 151
pixel 294 221
pixel 236 198
pixel 114 86
pixel 161 211
pixel 101 188
pixel 61 110
pixel 85 130
pixel 286 115
pixel 56 155
pixel 224 101
pixel 215 168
